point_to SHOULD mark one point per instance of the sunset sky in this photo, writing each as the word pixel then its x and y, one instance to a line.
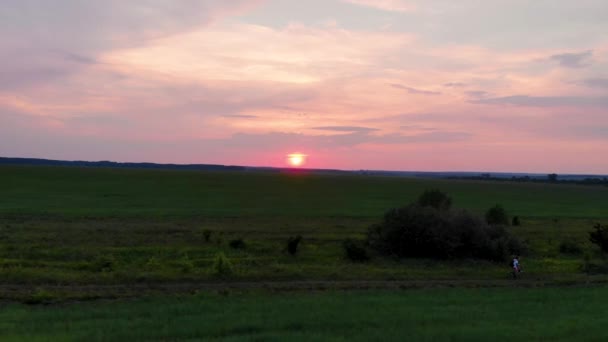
pixel 466 85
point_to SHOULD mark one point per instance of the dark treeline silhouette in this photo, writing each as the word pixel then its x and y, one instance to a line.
pixel 551 178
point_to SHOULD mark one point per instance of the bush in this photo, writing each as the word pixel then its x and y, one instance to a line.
pixel 207 235
pixel 436 199
pixel 103 263
pixel 222 267
pixel 40 296
pixel 426 231
pixel 354 251
pixel 292 244
pixel 600 237
pixel 516 221
pixel 185 264
pixel 570 247
pixel 153 264
pixel 237 244
pixel 497 216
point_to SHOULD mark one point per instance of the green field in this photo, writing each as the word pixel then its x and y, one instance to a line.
pixel 61 225
pixel 78 192
pixel 549 314
pixel 72 234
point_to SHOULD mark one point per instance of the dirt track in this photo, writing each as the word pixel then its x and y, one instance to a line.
pixel 90 292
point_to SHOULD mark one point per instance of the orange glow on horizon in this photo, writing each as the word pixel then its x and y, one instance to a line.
pixel 296 159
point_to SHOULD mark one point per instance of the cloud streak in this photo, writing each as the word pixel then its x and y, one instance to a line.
pixel 573 60
pixel 414 90
pixel 546 101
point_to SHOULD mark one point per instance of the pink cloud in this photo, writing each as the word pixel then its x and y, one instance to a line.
pixel 386 5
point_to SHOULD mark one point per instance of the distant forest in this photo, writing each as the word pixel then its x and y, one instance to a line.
pixel 497 176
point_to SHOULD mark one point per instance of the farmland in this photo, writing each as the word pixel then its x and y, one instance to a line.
pixel 109 226
pixel 71 234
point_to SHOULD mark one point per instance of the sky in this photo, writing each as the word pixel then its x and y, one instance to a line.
pixel 427 85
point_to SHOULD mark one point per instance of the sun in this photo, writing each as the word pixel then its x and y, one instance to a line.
pixel 296 159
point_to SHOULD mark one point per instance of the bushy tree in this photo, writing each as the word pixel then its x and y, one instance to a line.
pixel 497 215
pixel 426 231
pixel 600 236
pixel 516 221
pixel 435 198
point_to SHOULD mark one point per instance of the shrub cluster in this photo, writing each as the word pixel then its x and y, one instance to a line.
pixel 237 244
pixel 292 244
pixel 436 231
pixel 222 267
pixel 570 247
pixel 600 236
pixel 354 251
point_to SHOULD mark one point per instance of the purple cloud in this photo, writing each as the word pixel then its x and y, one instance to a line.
pixel 546 101
pixel 573 60
pixel 596 82
pixel 477 93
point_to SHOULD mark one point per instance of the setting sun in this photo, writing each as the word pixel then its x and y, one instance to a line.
pixel 296 159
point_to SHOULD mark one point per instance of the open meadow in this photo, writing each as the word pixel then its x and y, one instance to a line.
pixel 71 234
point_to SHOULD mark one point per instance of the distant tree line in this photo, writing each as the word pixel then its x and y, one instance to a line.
pixel 551 178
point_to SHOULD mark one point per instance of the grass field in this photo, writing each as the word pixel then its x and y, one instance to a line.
pixel 549 314
pixel 62 225
pixel 81 192
pixel 72 234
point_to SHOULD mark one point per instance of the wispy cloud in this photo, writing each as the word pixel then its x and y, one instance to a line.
pixel 546 101
pixel 385 5
pixel 414 90
pixel 345 129
pixel 477 93
pixel 573 60
pixel 596 82
pixel 240 116
pixel 454 84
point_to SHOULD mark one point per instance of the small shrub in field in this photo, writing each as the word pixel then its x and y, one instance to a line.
pixel 436 199
pixel 237 244
pixel 40 296
pixel 570 247
pixel 185 264
pixel 207 235
pixel 153 264
pixel 600 236
pixel 103 263
pixel 222 267
pixel 497 215
pixel 354 251
pixel 292 244
pixel 516 221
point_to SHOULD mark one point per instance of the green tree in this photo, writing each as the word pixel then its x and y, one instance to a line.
pixel 497 215
pixel 435 198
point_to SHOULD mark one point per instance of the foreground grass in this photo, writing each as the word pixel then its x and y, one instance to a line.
pixel 556 314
